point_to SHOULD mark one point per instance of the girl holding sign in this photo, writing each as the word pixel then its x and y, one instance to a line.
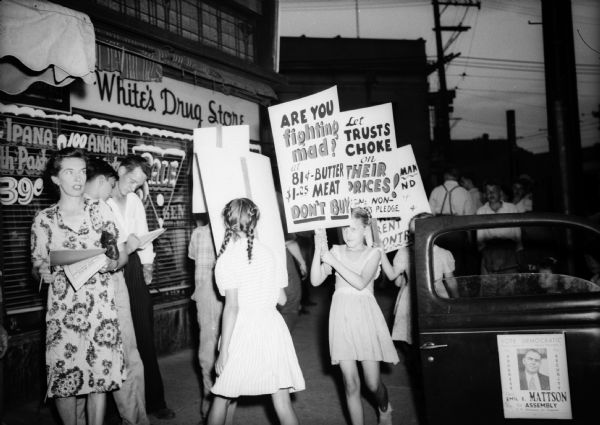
pixel 357 329
pixel 257 354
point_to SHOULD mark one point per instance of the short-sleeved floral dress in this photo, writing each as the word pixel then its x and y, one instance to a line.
pixel 84 351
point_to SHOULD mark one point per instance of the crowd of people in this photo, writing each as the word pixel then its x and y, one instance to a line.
pixel 497 247
pixel 100 337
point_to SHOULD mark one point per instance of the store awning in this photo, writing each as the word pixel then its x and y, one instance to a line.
pixel 42 41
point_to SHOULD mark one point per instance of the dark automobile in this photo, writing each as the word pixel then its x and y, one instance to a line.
pixel 520 344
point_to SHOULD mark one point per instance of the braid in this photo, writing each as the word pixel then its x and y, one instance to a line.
pixel 250 235
pixel 240 216
pixel 226 239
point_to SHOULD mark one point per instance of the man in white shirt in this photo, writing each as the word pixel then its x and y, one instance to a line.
pixel 498 246
pixel 476 196
pixel 130 213
pixel 522 197
pixel 449 198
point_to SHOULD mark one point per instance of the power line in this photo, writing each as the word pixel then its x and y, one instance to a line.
pixel 537 93
pixel 524 61
pixel 501 77
pixel 346 4
pixel 511 101
pixel 515 62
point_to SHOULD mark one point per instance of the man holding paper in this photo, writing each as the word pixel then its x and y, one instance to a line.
pixel 129 211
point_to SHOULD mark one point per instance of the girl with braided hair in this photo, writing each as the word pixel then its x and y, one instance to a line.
pixel 256 353
pixel 357 329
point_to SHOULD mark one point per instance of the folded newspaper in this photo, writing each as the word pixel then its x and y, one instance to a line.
pixel 80 272
pixel 62 257
pixel 146 238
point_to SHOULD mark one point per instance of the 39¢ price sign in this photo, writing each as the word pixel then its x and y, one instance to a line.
pixel 20 190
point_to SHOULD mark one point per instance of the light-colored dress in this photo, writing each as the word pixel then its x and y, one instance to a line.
pixel 357 328
pixel 262 359
pixel 443 262
pixel 84 351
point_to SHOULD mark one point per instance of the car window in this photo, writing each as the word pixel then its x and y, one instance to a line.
pixel 516 261
pixel 517 284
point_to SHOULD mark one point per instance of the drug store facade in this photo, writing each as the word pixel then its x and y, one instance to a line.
pixel 162 69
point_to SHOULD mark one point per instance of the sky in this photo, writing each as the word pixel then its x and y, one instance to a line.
pixel 501 62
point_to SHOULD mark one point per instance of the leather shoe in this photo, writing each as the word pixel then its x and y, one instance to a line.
pixel 164 413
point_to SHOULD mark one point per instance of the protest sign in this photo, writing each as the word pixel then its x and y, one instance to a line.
pixel 393 233
pixel 410 189
pixel 235 137
pixel 534 376
pixel 410 192
pixel 310 161
pixel 372 160
pixel 233 172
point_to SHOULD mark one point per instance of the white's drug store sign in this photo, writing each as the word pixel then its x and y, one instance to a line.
pixel 169 102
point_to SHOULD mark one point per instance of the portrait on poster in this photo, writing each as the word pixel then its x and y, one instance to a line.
pixel 534 376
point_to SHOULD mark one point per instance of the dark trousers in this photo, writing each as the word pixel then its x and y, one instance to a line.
pixel 142 315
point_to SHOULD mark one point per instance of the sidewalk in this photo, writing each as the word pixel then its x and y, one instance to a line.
pixel 320 403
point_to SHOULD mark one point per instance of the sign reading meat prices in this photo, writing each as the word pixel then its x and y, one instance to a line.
pixel 311 161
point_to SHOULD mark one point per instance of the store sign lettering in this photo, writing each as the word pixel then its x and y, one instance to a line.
pixel 129 94
pixel 174 212
pixel 28 134
pixel 18 160
pixel 164 172
pixel 96 143
pixel 172 105
pixel 219 116
pixel 19 190
pixel 170 102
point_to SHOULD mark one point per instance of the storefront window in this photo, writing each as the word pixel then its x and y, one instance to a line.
pixel 26 144
pixel 197 21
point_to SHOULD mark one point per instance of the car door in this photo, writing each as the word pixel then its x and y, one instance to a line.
pixel 461 353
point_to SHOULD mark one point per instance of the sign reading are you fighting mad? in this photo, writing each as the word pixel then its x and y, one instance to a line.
pixel 311 163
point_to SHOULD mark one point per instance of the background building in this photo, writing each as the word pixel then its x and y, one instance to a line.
pixel 367 72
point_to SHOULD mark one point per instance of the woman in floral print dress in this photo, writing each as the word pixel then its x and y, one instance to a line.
pixel 84 354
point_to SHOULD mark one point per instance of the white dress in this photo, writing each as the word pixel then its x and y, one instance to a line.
pixel 262 359
pixel 357 328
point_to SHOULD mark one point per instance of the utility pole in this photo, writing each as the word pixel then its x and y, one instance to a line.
pixel 511 137
pixel 561 106
pixel 356 11
pixel 442 100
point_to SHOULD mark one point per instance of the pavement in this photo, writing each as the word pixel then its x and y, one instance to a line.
pixel 322 402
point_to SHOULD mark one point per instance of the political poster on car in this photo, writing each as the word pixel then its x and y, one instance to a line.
pixel 534 376
pixel 310 161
